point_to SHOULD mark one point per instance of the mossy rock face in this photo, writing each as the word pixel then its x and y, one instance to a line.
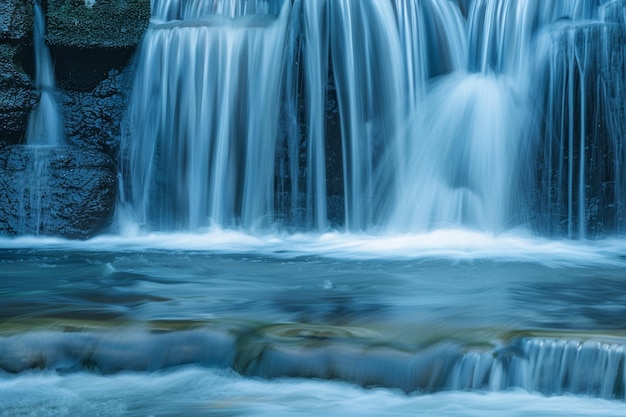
pixel 97 23
pixel 16 19
pixel 62 191
pixel 17 97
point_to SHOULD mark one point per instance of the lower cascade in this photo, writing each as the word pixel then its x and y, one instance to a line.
pixel 547 366
pixel 379 117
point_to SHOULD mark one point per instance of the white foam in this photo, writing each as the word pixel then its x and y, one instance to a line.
pixel 194 391
pixel 454 244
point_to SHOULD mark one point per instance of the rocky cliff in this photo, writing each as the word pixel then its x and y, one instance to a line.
pixel 92 43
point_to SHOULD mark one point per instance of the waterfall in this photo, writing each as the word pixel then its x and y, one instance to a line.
pixel 45 126
pixel 44 131
pixel 465 160
pixel 582 176
pixel 380 116
pixel 204 114
pixel 548 366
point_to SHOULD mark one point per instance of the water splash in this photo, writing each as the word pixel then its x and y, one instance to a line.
pixel 462 167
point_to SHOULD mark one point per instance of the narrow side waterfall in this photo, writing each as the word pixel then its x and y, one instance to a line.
pixel 45 126
pixel 44 131
pixel 380 116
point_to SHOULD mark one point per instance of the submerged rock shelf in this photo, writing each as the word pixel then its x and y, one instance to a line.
pixel 550 366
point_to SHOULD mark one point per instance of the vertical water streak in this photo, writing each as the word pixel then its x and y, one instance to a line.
pixel 584 118
pixel 315 28
pixel 440 105
pixel 614 89
pixel 368 69
pixel 167 10
pixel 45 126
pixel 353 45
pixel 547 366
pixel 44 130
pixel 288 212
pixel 434 43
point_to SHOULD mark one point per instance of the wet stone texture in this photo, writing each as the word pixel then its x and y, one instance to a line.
pixel 88 39
pixel 55 191
pixel 108 24
pixel 17 95
pixel 15 19
pixel 93 119
pixel 68 192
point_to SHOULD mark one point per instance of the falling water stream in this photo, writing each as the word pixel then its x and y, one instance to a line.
pixel 43 133
pixel 351 207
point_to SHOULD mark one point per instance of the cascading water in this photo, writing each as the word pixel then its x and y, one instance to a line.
pixel 582 176
pixel 45 126
pixel 390 120
pixel 400 115
pixel 204 114
pixel 347 40
pixel 44 132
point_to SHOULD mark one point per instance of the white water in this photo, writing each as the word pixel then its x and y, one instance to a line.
pixel 399 116
pixel 454 244
pixel 192 391
pixel 201 152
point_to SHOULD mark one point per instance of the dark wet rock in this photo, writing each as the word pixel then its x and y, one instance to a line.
pixel 83 69
pixel 16 19
pixel 69 193
pixel 97 23
pixel 90 38
pixel 17 97
pixel 93 119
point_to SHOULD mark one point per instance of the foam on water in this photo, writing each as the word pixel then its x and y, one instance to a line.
pixel 453 244
pixel 194 391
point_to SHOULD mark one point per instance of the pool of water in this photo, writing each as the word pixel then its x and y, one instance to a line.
pixel 452 324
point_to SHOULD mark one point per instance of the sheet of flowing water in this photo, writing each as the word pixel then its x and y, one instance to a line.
pixel 367 115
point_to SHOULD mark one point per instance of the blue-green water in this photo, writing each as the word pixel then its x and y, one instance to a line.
pixel 452 324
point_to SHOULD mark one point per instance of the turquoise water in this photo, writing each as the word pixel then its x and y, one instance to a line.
pixel 452 323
